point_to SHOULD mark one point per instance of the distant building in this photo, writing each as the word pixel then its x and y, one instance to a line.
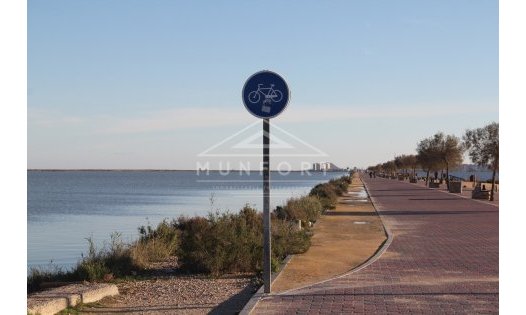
pixel 324 166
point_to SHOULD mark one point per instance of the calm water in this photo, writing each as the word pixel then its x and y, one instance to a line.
pixel 65 207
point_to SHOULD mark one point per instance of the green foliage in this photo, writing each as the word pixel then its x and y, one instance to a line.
pixel 483 145
pixel 38 275
pixel 114 259
pixel 221 242
pixel 340 184
pixel 440 151
pixel 428 155
pixel 328 193
pixel 405 162
pixel 389 167
pixel 306 208
pixel 155 244
pixel 288 239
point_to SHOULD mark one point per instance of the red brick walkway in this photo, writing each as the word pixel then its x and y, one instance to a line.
pixel 443 259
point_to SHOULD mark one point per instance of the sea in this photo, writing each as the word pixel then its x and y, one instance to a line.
pixel 64 208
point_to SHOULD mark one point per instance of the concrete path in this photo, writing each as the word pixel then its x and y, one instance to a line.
pixel 443 258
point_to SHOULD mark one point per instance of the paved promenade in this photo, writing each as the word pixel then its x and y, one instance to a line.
pixel 442 259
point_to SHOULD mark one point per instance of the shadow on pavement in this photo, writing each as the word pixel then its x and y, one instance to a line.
pixel 410 189
pixel 350 213
pixel 235 304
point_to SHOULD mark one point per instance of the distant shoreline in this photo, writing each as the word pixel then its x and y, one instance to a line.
pixel 167 170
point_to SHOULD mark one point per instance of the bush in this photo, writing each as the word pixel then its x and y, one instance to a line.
pixel 307 208
pixel 38 275
pixel 287 239
pixel 340 185
pixel 155 244
pixel 328 192
pixel 115 260
pixel 325 193
pixel 222 242
pixel 225 243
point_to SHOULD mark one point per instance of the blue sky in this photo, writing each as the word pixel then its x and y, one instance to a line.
pixel 151 84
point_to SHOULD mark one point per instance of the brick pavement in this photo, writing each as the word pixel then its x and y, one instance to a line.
pixel 443 259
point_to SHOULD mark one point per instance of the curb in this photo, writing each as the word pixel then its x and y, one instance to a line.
pixel 251 304
pixel 57 299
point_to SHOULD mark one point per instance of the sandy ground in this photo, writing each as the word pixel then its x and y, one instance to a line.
pixel 343 239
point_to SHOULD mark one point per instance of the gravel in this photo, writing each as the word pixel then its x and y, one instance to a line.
pixel 179 295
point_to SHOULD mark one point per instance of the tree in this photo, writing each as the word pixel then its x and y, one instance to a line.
pixel 412 162
pixel 406 162
pixel 401 163
pixel 389 167
pixel 483 147
pixel 440 151
pixel 450 152
pixel 428 155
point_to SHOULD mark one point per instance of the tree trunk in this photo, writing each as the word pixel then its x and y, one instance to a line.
pixel 427 178
pixel 447 176
pixel 492 198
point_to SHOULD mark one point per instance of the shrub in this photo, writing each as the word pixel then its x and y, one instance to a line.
pixel 306 208
pixel 325 193
pixel 38 275
pixel 224 243
pixel 221 242
pixel 328 192
pixel 340 184
pixel 115 259
pixel 287 239
pixel 155 244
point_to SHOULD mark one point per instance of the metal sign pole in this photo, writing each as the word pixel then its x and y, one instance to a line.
pixel 266 206
pixel 265 95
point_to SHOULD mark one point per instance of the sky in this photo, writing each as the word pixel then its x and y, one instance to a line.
pixel 153 84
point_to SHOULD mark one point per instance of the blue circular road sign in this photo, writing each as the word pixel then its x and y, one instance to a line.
pixel 265 94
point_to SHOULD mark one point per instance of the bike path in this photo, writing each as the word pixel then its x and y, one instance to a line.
pixel 442 259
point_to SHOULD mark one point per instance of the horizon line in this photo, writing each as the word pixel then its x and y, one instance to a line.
pixel 171 170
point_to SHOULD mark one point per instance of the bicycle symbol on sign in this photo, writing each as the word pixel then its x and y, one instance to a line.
pixel 270 94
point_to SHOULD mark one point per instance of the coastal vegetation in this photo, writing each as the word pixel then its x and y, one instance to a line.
pixel 328 193
pixel 307 208
pixel 220 243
